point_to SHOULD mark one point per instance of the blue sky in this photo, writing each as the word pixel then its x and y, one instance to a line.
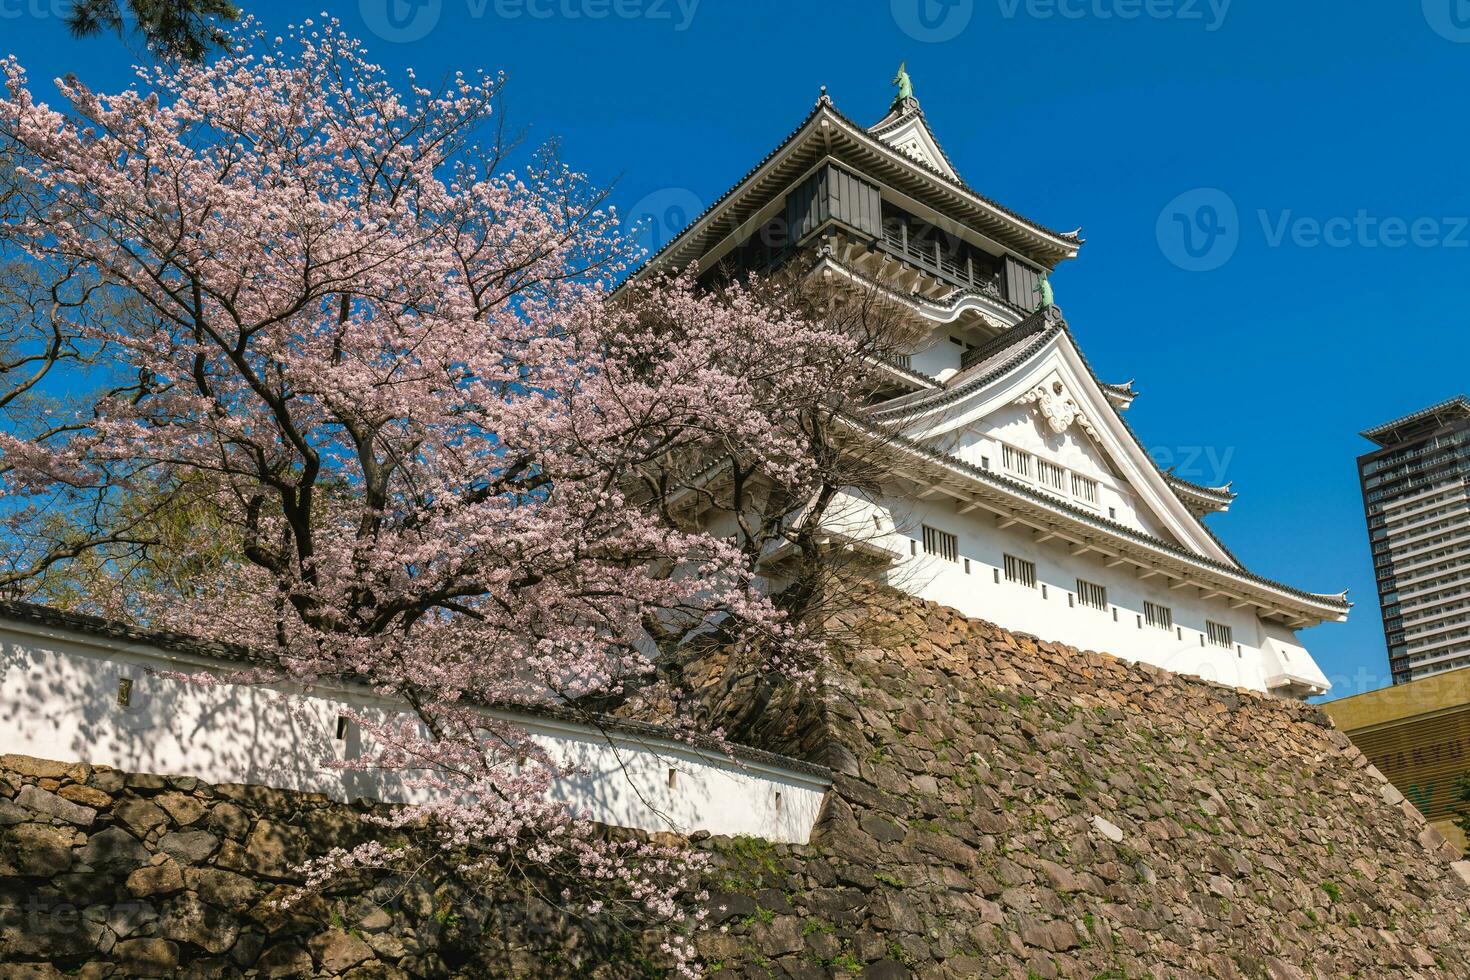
pixel 1272 192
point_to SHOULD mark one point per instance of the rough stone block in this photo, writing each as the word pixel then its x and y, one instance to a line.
pixel 188 920
pixel 336 950
pixel 1108 829
pixel 113 850
pixel 225 889
pixel 36 850
pixel 139 816
pixel 52 805
pixel 182 808
pixel 189 846
pixel 163 878
pixel 147 957
pixel 85 795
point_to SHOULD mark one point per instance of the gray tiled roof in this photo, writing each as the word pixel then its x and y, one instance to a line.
pixel 826 102
pixel 1337 602
pixel 1036 328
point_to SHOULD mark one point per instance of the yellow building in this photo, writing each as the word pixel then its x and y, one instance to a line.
pixel 1418 735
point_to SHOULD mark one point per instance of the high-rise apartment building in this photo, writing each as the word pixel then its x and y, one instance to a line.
pixel 1416 496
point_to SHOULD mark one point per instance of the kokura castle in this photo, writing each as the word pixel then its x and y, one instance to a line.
pixel 1017 493
pixel 1025 497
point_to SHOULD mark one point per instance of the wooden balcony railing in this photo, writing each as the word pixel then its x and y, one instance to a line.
pixel 930 255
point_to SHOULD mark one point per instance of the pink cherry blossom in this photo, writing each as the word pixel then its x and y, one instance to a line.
pixel 457 468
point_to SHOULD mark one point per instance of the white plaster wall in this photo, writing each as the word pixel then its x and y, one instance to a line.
pixel 1021 427
pixel 1048 614
pixel 58 700
pixel 938 357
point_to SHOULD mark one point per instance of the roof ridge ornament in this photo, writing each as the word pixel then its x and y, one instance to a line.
pixel 904 100
pixel 1044 293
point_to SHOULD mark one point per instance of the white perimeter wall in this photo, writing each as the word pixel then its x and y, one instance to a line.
pixel 58 700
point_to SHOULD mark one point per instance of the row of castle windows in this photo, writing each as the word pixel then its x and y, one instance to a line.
pixel 1021 571
pixel 1051 476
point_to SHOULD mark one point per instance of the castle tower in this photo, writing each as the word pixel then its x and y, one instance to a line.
pixel 1025 498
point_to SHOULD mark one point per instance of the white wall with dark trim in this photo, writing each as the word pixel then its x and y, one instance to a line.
pixel 59 700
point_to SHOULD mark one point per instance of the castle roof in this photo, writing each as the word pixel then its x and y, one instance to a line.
pixel 1044 337
pixel 902 154
pixel 828 134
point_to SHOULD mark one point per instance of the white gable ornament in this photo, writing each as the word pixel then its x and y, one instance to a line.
pixel 1057 406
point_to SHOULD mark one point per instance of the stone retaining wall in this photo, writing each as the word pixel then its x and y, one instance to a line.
pixel 1003 807
pixel 1008 807
pixel 155 876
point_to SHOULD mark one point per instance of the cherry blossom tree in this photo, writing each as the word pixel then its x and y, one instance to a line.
pixel 387 378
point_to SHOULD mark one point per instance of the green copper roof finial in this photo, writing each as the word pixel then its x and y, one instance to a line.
pixel 905 86
pixel 1043 286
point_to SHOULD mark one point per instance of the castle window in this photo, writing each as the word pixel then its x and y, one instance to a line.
pixel 1084 488
pixel 941 544
pixel 1021 571
pixel 1015 460
pixel 124 691
pixel 1219 634
pixel 1092 594
pixel 1052 475
pixel 1159 617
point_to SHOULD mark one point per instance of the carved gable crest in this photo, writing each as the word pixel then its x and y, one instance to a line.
pixel 1057 406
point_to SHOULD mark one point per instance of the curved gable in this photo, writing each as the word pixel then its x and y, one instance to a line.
pixel 1050 405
